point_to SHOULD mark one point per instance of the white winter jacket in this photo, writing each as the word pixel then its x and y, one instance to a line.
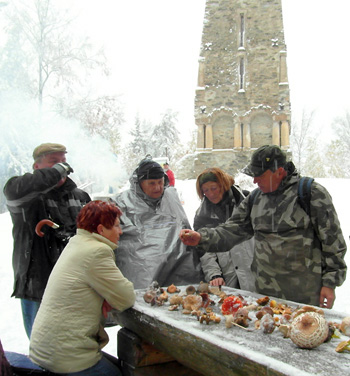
pixel 67 335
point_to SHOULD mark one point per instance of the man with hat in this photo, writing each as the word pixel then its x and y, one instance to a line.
pixel 149 249
pixel 46 194
pixel 299 256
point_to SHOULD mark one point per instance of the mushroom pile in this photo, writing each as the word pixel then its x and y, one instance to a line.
pixel 306 326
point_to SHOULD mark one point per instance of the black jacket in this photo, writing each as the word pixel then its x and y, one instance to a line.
pixel 31 198
pixel 211 215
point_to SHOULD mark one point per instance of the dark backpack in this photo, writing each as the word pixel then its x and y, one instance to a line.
pixel 304 194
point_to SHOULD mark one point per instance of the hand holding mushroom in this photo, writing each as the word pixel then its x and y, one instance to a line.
pixel 189 237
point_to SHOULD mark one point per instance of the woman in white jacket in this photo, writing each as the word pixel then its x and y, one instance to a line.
pixel 68 335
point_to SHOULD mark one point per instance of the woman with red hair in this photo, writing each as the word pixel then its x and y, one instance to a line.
pixel 67 335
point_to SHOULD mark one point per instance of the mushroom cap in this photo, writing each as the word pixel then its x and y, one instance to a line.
pixel 172 288
pixel 203 287
pixel 176 299
pixel 309 330
pixel 190 290
pixel 345 326
pixel 192 302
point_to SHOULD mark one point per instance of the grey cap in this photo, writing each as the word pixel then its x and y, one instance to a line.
pixel 267 157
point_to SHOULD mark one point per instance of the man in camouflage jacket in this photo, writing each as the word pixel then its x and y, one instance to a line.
pixel 298 257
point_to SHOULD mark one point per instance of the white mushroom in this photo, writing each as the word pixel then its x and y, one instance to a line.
pixel 308 330
pixel 345 326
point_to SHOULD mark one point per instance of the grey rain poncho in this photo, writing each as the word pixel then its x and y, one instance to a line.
pixel 150 249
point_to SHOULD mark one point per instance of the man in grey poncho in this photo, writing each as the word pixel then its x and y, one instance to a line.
pixel 298 256
pixel 150 249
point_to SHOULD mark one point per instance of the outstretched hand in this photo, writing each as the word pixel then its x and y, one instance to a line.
pixel 190 237
pixel 327 297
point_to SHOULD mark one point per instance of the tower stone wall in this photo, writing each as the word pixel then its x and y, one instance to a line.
pixel 242 98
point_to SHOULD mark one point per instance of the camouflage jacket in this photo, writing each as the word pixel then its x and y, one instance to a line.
pixel 295 254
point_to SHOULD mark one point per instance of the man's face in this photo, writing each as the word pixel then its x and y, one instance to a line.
pixel 269 181
pixel 49 160
pixel 153 188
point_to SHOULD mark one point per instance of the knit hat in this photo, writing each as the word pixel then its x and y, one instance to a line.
pixel 267 157
pixel 149 169
pixel 208 176
pixel 48 148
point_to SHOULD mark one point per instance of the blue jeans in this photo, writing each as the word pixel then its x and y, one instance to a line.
pixel 29 311
pixel 102 368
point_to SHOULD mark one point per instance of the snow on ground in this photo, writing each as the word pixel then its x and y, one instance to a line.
pixel 12 332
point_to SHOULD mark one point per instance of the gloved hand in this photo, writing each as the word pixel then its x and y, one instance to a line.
pixel 66 167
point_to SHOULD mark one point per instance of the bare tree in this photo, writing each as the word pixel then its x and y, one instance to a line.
pixel 41 45
pixel 302 138
pixel 103 116
pixel 341 126
pixel 338 151
pixel 165 136
pixel 140 144
pixel 337 160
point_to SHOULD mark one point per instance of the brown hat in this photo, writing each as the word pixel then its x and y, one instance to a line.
pixel 48 148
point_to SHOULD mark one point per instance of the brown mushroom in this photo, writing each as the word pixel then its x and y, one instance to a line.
pixel 176 299
pixel 263 301
pixel 241 317
pixel 192 302
pixel 203 287
pixel 267 323
pixel 150 297
pixel 215 290
pixel 190 290
pixel 172 288
pixel 163 297
pixel 343 346
pixel 173 307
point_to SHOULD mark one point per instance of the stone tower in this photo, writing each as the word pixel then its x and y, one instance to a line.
pixel 242 99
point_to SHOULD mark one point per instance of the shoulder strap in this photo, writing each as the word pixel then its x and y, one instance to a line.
pixel 252 196
pixel 304 193
pixel 238 194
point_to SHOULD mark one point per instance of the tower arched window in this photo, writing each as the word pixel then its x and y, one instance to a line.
pixel 280 133
pixel 241 73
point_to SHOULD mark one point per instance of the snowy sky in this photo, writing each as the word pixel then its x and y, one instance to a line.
pixel 316 32
pixel 153 49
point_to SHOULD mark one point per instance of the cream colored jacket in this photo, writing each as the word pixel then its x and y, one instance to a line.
pixel 67 335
